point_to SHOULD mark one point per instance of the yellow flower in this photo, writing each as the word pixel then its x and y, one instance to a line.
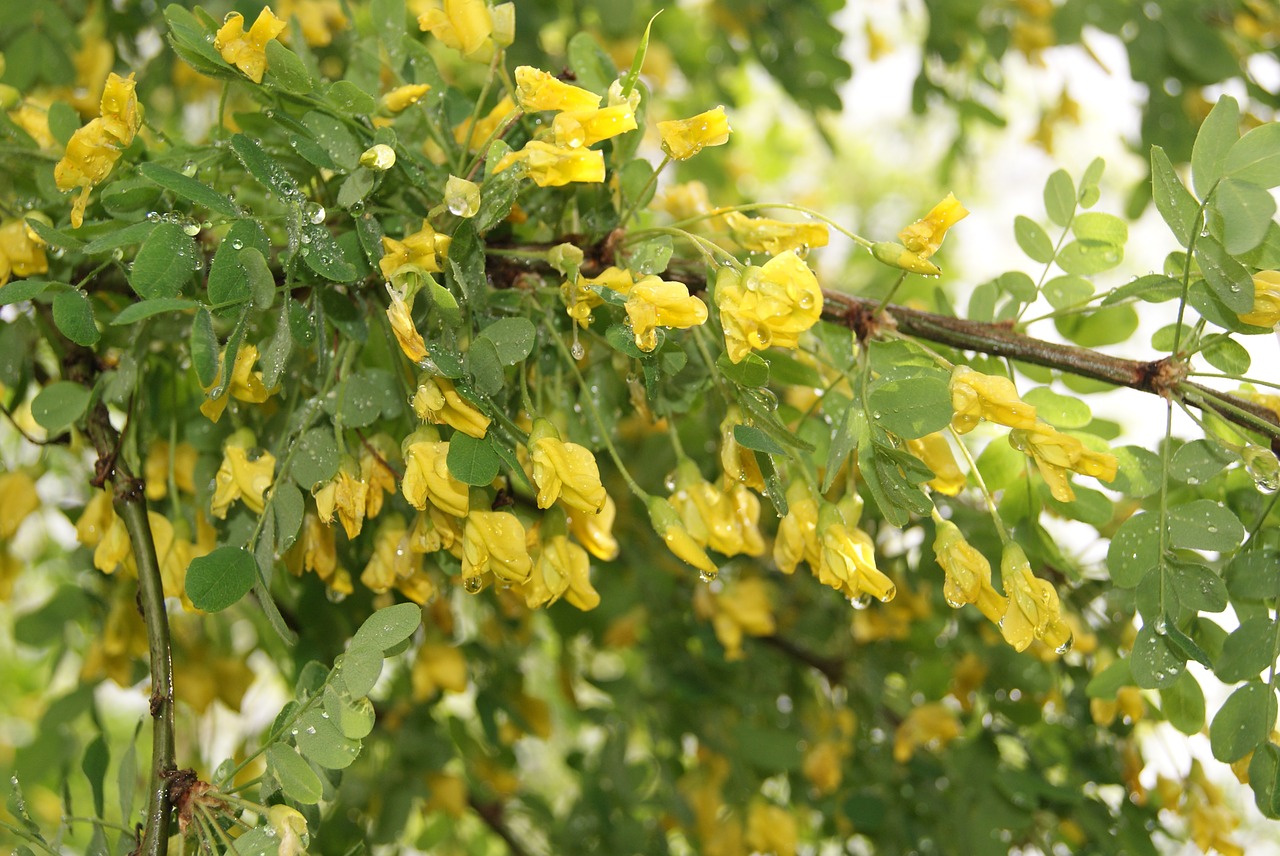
pixel 119 109
pixel 437 401
pixel 686 200
pixel 935 451
pixel 727 520
pixel 462 197
pixel 123 642
pixel 554 166
pixel 403 97
pixel 666 522
pixel 314 550
pixel 376 473
pixel 379 158
pixel 1055 453
pixel 427 478
pixel 924 236
pixel 421 252
pixel 157 468
pixel 536 90
pixel 21 253
pixel 347 494
pixel 654 303
pixel 823 766
pixel 18 500
pixel 1034 610
pixel 398 313
pixel 243 478
pixel 564 471
pixel 931 725
pixel 797 539
pixel 742 609
pixel 446 793
pixel 246 384
pixel 248 51
pixel 968 573
pixel 579 301
pixel 574 128
pixel 771 829
pixel 487 126
pixel 767 306
pixel 94 149
pixel 684 138
pixel 438 667
pixel 761 235
pixel 563 569
pixel 392 561
pixel 494 541
pixel 976 396
pixel 464 25
pixel 95 521
pixel 319 20
pixel 738 462
pixel 1266 300
pixel 290 828
pixel 34 119
pixel 595 531
pixel 849 559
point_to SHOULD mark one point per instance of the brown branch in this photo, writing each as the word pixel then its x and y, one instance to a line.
pixel 832 670
pixel 491 814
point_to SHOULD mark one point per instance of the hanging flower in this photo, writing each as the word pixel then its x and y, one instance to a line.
pixel 767 306
pixel 595 531
pixel 654 303
pixel 242 477
pixel 347 494
pixel 738 462
pixel 427 477
pixel 574 128
pixel 564 471
pixel 684 138
pixel 848 559
pixel 21 251
pixel 464 25
pixel 1034 611
pixel 536 90
pixel 931 725
pixel 403 97
pixel 1056 453
pixel 797 538
pixel 18 500
pixel 726 521
pixel 248 51
pixel 742 608
pixel 437 667
pixel 245 385
pixel 406 332
pixel 563 569
pixel 924 236
pixel 494 541
pixel 948 479
pixel 392 561
pixel 437 401
pixel 1266 300
pixel 976 396
pixel 968 573
pixel 666 522
pixel 94 149
pixel 422 252
pixel 555 166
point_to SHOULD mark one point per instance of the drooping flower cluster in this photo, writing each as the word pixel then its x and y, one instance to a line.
pixel 767 306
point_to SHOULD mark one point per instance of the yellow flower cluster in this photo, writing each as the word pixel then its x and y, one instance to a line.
pixel 94 149
pixel 244 476
pixel 767 306
pixel 721 518
pixel 564 471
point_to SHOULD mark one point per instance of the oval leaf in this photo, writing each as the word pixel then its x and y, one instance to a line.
pixel 221 578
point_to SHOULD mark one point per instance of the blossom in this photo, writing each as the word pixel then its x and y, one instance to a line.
pixel 894 254
pixel 18 500
pixel 536 90
pixel 562 569
pixel 666 522
pixel 976 396
pixel 1055 453
pixel 554 166
pixel 427 478
pixel 119 109
pixel 771 829
pixel 245 385
pixel 1266 300
pixel 406 332
pixel 1034 611
pixel 347 494
pixel 797 538
pixel 94 149
pixel 574 128
pixel 726 520
pixel 248 51
pixel 823 765
pixel 21 251
pixel 464 25
pixel 378 158
pixel 391 560
pixel 290 827
pixel 437 401
pixel 924 236
pixel 422 252
pixel 376 473
pixel 684 138
pixel 437 667
pixel 935 451
pixel 494 541
pixel 767 306
pixel 967 571
pixel 319 20
pixel 595 531
pixel 242 477
pixel 741 609
pixel 931 725
pixel 762 235
pixel 848 559
pixel 655 302
pixel 403 97
pixel 738 462
pixel 314 550
pixel 486 126
pixel 564 471
pixel 163 459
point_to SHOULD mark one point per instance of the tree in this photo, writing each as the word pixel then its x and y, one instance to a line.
pixel 438 376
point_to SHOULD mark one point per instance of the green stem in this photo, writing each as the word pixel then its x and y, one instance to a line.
pixel 982 486
pixel 635 203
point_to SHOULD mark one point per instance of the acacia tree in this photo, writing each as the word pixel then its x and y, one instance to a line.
pixel 414 381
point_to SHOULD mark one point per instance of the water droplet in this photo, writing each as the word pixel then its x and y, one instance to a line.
pixel 153 216
pixel 1161 626
pixel 237 244
pixel 315 213
pixel 311 729
pixel 861 601
pixel 191 229
pixel 577 350
pixel 708 575
pixel 473 584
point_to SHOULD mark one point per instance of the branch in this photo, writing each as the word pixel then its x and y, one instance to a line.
pixel 832 670
pixel 491 814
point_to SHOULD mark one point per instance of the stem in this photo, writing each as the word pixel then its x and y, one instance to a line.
pixel 635 203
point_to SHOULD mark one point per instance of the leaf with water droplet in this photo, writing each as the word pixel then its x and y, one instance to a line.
pixel 298 781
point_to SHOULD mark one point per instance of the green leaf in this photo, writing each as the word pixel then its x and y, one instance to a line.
pixel 164 262
pixel 472 461
pixel 323 255
pixel 1134 550
pixel 1086 258
pixel 850 425
pixel 1104 684
pixel 1108 325
pixel 286 70
pixel 1200 460
pixel 1204 525
pixel 388 627
pixel 1060 411
pixel 485 366
pixel 911 406
pixel 651 257
pixel 350 99
pixel 320 741
pixel 54 237
pixel 1218 132
pixel 94 765
pixel 148 308
pixel 1033 240
pixel 1140 471
pixel 1154 662
pixel 466 267
pixel 1182 703
pixel 334 138
pixel 57 407
pixel 288 507
pixel 750 437
pixel 1252 575
pixel 1225 354
pixel 73 316
pixel 204 347
pixel 1196 586
pixel 1264 778
pixel 127 774
pixel 359 669
pixel 593 67
pixel 512 338
pixel 316 459
pixel 752 372
pixel 1243 722
pixel 1152 288
pixel 1255 157
pixel 1101 228
pixel 221 578
pixel 355 717
pixel 498 193
pixel 116 238
pixel 1064 291
pixel 189 189
pixel 263 167
pixel 1089 191
pixel 1248 650
pixel 388 23
pixel 1174 202
pixel 1060 198
pixel 1246 211
pixel 1016 284
pixel 297 780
